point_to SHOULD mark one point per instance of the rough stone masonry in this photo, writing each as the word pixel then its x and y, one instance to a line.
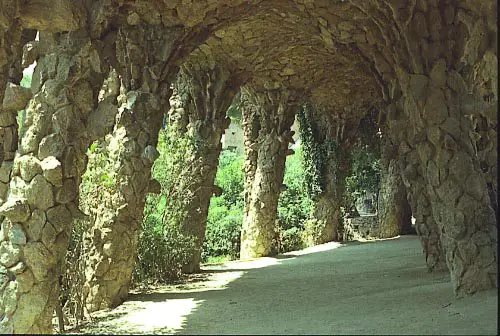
pixel 430 66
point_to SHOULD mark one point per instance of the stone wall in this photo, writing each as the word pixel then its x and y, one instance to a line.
pixel 431 64
pixel 364 227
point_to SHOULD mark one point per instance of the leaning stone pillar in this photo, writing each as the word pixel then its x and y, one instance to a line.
pixel 393 209
pixel 111 243
pixel 412 176
pixel 205 96
pixel 14 99
pixel 275 112
pixel 327 211
pixel 42 199
pixel 10 43
pixel 439 103
pixel 326 136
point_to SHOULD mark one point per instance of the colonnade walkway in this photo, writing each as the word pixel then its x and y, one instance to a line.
pixel 380 287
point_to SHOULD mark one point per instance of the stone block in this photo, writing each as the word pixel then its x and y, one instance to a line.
pixel 51 145
pixel 9 254
pixel 52 170
pixel 15 209
pixel 39 258
pixel 15 98
pixel 9 298
pixel 476 186
pixel 35 225
pixel 7 119
pixel 25 280
pixel 5 170
pixel 418 86
pixel 150 154
pixel 435 110
pixel 49 234
pixel 456 82
pixel 433 173
pixel 29 167
pixel 60 217
pixel 29 141
pixel 438 73
pixel 67 193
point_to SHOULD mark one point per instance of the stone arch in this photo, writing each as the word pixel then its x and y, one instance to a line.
pixel 421 57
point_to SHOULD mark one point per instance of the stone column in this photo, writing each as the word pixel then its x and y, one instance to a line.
pixel 326 137
pixel 393 209
pixel 251 129
pixel 412 177
pixel 438 103
pixel 205 94
pixel 42 199
pixel 10 32
pixel 327 210
pixel 274 113
pixel 14 100
pixel 111 243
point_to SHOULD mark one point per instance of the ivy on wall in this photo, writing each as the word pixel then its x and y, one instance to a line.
pixel 313 153
pixel 320 156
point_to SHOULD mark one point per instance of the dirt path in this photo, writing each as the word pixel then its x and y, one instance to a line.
pixel 360 288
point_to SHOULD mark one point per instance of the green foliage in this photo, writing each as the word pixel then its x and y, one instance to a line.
pixel 294 204
pixel 26 81
pixel 225 214
pixel 230 177
pixel 234 113
pixel 99 174
pixel 365 175
pixel 290 239
pixel 97 182
pixel 313 154
pixel 223 232
pixel 313 231
pixel 163 248
pixel 365 158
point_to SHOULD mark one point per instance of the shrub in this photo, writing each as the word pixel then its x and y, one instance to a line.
pixel 313 232
pixel 294 204
pixel 225 214
pixel 289 239
pixel 162 249
pixel 223 234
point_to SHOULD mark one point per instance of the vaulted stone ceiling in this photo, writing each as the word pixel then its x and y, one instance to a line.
pixel 283 44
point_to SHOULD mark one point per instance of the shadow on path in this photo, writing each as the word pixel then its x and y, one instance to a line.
pixel 380 287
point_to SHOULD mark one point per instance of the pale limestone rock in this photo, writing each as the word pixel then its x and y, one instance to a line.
pixel 9 254
pixel 51 145
pixel 16 97
pixel 29 167
pixel 52 170
pixel 16 210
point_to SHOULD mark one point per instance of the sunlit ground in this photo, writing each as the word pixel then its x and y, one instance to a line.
pixel 362 287
pixel 150 311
